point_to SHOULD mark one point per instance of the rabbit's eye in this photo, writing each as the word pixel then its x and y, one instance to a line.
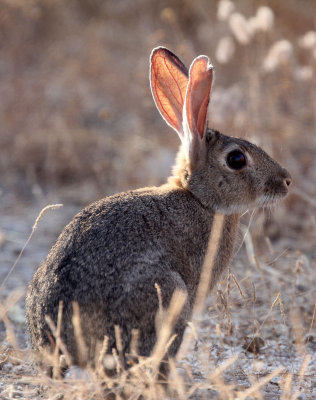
pixel 236 159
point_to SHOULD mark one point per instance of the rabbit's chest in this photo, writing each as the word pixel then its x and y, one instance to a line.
pixel 226 247
pixel 190 253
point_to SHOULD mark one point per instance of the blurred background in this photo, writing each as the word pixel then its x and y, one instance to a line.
pixel 77 118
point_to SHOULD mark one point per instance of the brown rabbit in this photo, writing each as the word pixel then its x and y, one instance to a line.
pixel 110 256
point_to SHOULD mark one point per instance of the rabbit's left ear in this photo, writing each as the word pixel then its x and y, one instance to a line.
pixel 197 99
pixel 168 82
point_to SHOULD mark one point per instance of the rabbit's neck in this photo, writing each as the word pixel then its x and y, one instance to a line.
pixel 178 177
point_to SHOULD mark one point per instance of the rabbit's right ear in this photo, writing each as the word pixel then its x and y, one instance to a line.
pixel 168 82
pixel 197 99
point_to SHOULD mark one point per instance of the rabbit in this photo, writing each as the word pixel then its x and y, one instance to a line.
pixel 110 258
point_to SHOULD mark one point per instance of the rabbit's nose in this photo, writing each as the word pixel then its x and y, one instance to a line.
pixel 287 181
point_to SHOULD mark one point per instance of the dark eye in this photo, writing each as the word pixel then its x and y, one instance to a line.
pixel 236 159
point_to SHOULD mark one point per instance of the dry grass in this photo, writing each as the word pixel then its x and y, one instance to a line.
pixel 77 119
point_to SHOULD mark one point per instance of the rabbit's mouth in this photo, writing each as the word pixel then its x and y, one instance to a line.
pixel 265 200
pixel 269 199
pixel 275 190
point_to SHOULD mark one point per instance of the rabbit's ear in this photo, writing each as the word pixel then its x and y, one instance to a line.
pixel 197 99
pixel 168 82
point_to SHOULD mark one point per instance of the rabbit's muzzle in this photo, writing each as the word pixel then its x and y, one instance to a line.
pixel 276 187
pixel 284 181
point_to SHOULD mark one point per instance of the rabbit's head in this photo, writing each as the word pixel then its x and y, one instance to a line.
pixel 227 174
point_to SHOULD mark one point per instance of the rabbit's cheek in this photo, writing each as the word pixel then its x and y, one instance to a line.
pixel 248 188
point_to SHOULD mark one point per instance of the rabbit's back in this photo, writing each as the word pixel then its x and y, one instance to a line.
pixel 109 236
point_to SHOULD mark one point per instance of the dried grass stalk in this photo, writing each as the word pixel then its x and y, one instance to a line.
pixel 80 342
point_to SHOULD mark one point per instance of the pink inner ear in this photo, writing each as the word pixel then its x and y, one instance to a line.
pixel 198 94
pixel 169 79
